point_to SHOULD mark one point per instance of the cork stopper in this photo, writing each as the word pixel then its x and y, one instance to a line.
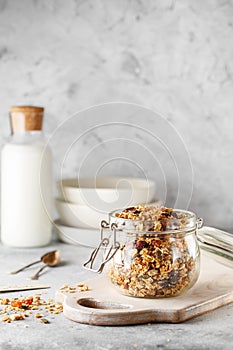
pixel 26 118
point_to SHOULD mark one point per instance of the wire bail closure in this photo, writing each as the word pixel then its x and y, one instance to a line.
pixel 199 223
pixel 109 251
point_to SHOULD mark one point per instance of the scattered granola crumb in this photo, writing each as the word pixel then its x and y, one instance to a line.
pixel 83 288
pixel 17 317
pixel 64 286
pixel 14 309
pixel 68 289
pixel 6 319
pixel 44 320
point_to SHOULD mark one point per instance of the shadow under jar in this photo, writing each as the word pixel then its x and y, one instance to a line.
pixel 155 258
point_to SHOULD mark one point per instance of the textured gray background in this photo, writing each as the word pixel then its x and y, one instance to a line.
pixel 175 57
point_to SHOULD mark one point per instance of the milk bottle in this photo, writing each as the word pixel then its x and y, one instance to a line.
pixel 26 181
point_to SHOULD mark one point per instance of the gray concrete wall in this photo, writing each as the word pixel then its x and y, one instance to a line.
pixel 174 57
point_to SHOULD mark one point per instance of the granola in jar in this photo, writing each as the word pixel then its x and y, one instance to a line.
pixel 159 254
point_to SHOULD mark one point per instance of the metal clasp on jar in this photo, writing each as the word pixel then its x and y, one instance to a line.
pixel 199 223
pixel 108 250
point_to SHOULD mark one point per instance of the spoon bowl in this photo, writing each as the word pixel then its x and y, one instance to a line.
pixel 52 258
pixel 49 259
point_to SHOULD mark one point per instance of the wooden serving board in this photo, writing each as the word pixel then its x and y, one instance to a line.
pixel 102 304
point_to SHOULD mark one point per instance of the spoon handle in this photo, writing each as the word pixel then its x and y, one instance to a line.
pixel 25 267
pixel 37 274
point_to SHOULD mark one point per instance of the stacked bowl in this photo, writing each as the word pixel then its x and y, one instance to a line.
pixel 83 203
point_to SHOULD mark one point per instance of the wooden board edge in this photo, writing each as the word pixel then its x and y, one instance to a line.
pixel 133 317
pixel 207 306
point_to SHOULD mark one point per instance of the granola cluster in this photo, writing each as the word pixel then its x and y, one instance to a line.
pixel 154 264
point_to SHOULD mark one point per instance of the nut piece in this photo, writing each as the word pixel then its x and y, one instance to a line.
pixel 83 288
pixel 17 317
pixel 6 319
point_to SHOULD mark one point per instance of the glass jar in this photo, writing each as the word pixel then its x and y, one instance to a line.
pixel 152 264
pixel 151 256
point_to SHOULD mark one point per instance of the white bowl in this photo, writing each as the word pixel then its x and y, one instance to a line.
pixel 106 194
pixel 77 236
pixel 77 215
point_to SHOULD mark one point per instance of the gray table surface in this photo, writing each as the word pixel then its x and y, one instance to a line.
pixel 213 330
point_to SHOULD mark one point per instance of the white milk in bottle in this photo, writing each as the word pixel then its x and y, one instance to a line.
pixel 26 181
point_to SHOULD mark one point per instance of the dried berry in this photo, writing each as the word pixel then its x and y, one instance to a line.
pixel 16 303
pixel 156 242
pixel 137 211
pixel 24 307
pixel 140 245
pixel 129 209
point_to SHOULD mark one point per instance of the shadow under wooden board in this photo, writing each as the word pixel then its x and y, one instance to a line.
pixel 103 305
